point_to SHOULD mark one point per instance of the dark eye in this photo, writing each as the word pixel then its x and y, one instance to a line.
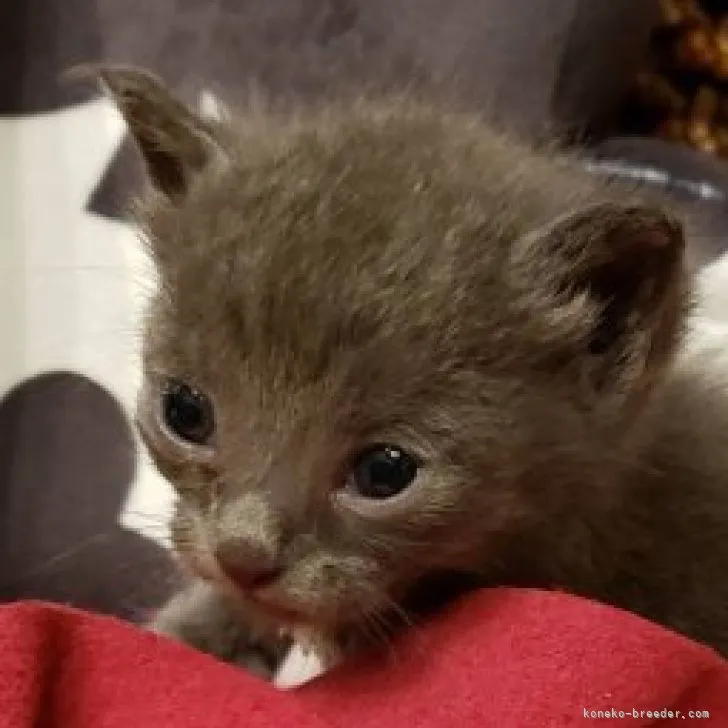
pixel 382 471
pixel 187 412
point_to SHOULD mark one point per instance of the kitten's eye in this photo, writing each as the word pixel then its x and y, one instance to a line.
pixel 187 413
pixel 382 471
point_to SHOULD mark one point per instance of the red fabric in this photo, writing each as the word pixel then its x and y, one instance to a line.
pixel 502 658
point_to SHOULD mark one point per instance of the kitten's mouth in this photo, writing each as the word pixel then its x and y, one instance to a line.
pixel 262 598
pixel 277 613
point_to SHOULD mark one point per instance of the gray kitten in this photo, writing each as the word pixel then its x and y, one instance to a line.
pixel 393 355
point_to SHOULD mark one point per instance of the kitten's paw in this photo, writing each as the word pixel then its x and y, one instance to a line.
pixel 202 619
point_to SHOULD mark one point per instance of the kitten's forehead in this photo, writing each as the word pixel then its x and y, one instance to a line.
pixel 381 236
pixel 357 188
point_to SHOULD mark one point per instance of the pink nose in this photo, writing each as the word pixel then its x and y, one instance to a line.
pixel 247 578
pixel 250 568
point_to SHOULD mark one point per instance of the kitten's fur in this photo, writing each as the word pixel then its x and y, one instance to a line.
pixel 393 272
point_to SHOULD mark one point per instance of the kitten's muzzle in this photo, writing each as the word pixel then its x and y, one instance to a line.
pixel 247 568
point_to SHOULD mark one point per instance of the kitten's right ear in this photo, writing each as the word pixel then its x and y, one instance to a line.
pixel 174 141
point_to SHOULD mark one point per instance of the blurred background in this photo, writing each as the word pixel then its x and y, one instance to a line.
pixel 640 84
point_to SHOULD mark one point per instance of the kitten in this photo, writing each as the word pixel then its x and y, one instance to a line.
pixel 395 354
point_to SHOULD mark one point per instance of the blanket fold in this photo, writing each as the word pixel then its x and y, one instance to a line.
pixel 503 658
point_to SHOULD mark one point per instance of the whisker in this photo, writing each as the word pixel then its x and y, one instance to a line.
pixel 57 559
pixel 385 633
pixel 405 618
pixel 397 609
pixel 150 517
pixel 150 528
pixel 373 630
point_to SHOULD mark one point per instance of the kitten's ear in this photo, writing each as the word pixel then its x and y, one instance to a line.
pixel 618 271
pixel 174 141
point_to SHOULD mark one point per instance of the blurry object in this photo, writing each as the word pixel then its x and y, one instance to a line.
pixel 680 12
pixel 682 94
pixel 67 462
pixel 697 48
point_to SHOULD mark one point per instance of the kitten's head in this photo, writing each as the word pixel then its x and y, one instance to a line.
pixel 385 342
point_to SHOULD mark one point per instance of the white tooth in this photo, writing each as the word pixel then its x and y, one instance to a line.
pixel 300 666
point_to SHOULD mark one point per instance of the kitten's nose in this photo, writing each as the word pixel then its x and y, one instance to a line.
pixel 249 568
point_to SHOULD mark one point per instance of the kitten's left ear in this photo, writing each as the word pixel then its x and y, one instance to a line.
pixel 175 142
pixel 613 277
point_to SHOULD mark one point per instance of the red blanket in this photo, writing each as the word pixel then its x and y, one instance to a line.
pixel 501 658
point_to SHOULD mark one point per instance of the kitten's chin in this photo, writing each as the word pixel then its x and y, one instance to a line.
pixel 274 618
pixel 308 636
pixel 280 617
